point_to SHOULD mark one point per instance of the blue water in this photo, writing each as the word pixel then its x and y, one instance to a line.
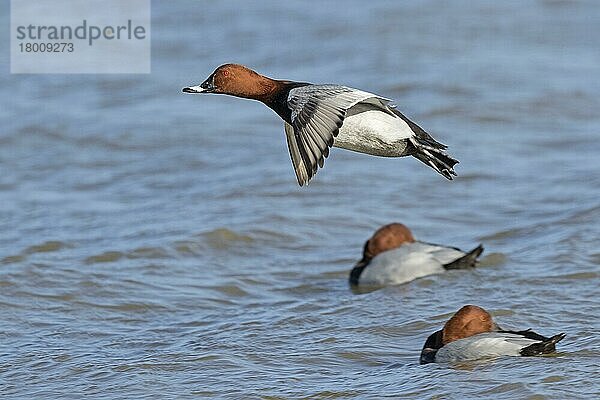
pixel 156 245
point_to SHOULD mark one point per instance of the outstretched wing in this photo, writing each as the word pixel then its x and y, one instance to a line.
pixel 317 114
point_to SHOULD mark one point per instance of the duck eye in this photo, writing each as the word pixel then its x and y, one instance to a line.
pixel 225 73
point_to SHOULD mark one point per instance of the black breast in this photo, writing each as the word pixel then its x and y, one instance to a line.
pixel 278 102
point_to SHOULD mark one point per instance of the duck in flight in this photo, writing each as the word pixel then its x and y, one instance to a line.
pixel 317 117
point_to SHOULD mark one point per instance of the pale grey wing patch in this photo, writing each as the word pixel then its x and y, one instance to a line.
pixel 315 125
pixel 297 162
pixel 317 114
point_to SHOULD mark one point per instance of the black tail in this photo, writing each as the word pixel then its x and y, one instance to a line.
pixel 428 150
pixel 548 345
pixel 433 155
pixel 467 261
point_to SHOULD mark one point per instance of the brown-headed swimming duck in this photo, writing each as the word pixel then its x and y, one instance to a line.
pixel 392 256
pixel 472 334
pixel 317 117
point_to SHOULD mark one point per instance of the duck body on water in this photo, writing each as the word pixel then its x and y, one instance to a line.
pixel 318 117
pixel 472 334
pixel 392 256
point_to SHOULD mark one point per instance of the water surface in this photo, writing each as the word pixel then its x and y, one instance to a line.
pixel 156 244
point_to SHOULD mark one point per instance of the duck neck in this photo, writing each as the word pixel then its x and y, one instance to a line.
pixel 262 89
pixel 276 97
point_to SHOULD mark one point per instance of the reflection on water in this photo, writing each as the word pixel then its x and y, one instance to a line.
pixel 156 244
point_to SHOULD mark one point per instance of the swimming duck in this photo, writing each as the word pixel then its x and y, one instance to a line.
pixel 392 256
pixel 317 117
pixel 472 334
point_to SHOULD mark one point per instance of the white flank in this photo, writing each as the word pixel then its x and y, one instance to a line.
pixel 408 262
pixel 374 132
pixel 484 345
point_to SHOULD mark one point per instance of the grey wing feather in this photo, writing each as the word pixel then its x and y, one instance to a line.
pixel 317 114
pixel 297 162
